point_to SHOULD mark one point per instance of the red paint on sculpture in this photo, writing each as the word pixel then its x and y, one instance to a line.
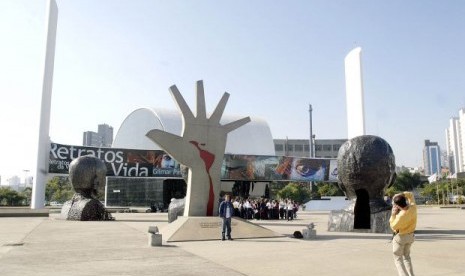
pixel 208 158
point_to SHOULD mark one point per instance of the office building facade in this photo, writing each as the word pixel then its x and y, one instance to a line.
pixel 323 148
pixel 106 132
pixel 102 138
pixel 432 158
pixel 91 139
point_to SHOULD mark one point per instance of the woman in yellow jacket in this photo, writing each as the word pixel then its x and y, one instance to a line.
pixel 403 222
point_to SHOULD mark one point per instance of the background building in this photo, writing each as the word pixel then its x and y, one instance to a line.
pixel 292 147
pixel 253 138
pixel 324 148
pixel 102 138
pixel 432 158
pixel 328 148
pixel 445 160
pixel 455 135
pixel 91 139
pixel 106 132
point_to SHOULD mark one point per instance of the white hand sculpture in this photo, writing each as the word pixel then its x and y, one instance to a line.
pixel 201 148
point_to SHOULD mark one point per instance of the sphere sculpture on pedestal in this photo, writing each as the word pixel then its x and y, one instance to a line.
pixel 366 167
pixel 86 174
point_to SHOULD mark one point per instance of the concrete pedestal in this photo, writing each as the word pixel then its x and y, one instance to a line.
pixel 343 221
pixel 309 234
pixel 155 239
pixel 209 228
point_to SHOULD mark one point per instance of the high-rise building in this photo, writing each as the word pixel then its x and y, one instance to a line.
pixel 432 158
pixel 455 143
pixel 102 138
pixel 444 159
pixel 106 132
pixel 91 139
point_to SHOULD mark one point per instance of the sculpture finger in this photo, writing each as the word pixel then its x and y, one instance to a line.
pixel 171 143
pixel 201 110
pixel 236 124
pixel 174 145
pixel 182 105
pixel 218 113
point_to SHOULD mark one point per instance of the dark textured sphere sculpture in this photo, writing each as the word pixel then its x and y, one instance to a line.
pixel 87 174
pixel 366 163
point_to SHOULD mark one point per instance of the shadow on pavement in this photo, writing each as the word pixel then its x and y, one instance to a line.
pixel 280 224
pixel 140 220
pixel 352 237
pixel 440 234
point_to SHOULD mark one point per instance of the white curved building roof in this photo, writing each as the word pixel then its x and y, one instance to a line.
pixel 253 138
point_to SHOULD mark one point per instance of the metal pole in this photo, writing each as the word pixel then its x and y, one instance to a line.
pixel 311 130
pixel 311 183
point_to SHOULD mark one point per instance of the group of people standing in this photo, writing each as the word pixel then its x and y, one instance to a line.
pixel 263 208
pixel 260 208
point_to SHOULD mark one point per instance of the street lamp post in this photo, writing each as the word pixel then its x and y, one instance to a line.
pixel 311 183
pixel 311 131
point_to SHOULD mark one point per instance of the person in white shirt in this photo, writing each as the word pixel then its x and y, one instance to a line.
pixel 290 210
pixel 236 205
pixel 282 207
pixel 248 209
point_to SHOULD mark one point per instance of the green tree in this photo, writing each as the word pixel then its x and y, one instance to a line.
pixel 58 189
pixel 329 189
pixel 443 188
pixel 295 191
pixel 275 187
pixel 440 191
pixel 27 194
pixel 10 197
pixel 405 181
pixel 430 191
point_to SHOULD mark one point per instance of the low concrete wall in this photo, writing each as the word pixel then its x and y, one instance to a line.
pixel 327 203
pixel 23 212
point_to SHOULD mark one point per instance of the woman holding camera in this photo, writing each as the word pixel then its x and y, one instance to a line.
pixel 403 222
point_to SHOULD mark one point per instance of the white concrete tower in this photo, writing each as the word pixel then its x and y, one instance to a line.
pixel 354 94
pixel 43 147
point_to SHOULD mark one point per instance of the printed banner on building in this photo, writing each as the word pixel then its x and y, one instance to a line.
pixel 332 170
pixel 156 163
pixel 274 168
pixel 119 162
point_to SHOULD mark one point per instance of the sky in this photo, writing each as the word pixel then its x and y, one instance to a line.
pixel 273 57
